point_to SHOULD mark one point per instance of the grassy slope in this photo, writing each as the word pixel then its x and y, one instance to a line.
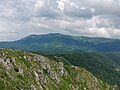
pixel 20 70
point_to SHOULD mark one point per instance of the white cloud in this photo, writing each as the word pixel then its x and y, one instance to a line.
pixel 92 10
pixel 99 32
pixel 61 4
pixel 38 4
pixel 19 18
pixel 73 5
pixel 83 8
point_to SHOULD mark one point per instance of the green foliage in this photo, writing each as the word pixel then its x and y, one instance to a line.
pixel 33 71
pixel 60 43
pixel 99 65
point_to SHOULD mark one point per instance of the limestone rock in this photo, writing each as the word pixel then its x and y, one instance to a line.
pixel 33 87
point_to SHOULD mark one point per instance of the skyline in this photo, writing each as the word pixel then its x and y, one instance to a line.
pixel 96 18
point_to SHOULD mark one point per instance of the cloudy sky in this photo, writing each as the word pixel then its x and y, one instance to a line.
pixel 19 18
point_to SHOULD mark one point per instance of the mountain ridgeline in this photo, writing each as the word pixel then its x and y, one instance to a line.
pixel 56 42
pixel 68 63
pixel 26 71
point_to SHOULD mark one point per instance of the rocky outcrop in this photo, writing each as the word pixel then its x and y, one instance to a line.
pixel 27 71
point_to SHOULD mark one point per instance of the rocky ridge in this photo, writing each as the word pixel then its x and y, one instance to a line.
pixel 27 71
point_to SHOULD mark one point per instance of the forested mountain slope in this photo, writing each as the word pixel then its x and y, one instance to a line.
pixel 58 42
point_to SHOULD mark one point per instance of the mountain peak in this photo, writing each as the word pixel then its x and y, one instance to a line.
pixel 44 35
pixel 60 42
pixel 54 34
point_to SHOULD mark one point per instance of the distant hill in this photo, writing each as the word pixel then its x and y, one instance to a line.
pixel 26 71
pixel 56 42
pixel 100 56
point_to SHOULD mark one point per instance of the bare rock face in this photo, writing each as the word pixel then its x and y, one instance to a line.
pixel 27 71
pixel 45 64
pixel 13 59
pixel 21 71
pixel 61 69
pixel 54 76
pixel 115 87
pixel 36 76
pixel 33 87
pixel 7 63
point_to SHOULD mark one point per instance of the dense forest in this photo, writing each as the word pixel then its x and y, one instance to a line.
pixel 101 66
